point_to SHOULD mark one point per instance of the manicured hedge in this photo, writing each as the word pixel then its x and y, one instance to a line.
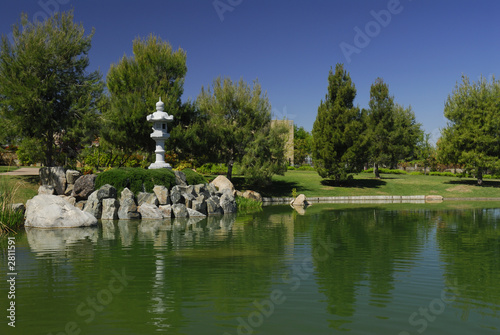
pixel 136 179
pixel 388 171
pixel 193 178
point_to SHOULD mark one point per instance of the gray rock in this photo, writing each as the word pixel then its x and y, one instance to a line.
pixel 19 207
pixel 94 205
pixel 46 189
pixel 50 211
pixel 54 176
pixel 211 189
pixel 227 203
pixel 69 189
pixel 199 189
pixel 194 213
pixel 252 195
pixel 150 211
pixel 147 198
pixel 188 199
pixel 180 178
pixel 84 186
pixel 166 210
pixel 179 211
pixel 81 204
pixel 128 206
pixel 161 193
pixel 176 195
pixel 70 200
pixel 106 191
pixel 213 206
pixel 72 176
pixel 199 204
pixel 110 209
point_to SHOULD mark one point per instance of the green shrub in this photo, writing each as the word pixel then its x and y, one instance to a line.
pixel 387 171
pixel 10 220
pixel 416 173
pixel 291 167
pixel 442 174
pixel 246 206
pixel 305 168
pixel 193 178
pixel 136 179
pixel 212 168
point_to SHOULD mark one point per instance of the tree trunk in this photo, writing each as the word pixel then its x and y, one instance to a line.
pixel 230 169
pixel 49 153
pixel 480 176
pixel 375 171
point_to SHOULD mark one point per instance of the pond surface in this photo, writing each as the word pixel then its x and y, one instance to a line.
pixel 337 269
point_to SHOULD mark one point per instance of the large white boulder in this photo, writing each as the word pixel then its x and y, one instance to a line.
pixel 50 211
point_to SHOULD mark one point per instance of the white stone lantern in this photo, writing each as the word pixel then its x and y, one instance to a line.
pixel 160 134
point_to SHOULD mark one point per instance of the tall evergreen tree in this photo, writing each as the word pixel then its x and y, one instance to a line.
pixel 238 118
pixel 380 124
pixel 405 137
pixel 471 138
pixel 46 93
pixel 337 146
pixel 135 84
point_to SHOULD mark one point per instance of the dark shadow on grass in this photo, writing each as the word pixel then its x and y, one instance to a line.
pixel 486 183
pixel 275 189
pixel 355 183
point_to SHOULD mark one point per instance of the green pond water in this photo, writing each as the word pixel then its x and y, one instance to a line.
pixel 337 269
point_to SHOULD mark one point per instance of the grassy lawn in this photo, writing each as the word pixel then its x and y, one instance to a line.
pixel 310 183
pixel 8 168
pixel 24 187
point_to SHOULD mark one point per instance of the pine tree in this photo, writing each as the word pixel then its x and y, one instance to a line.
pixel 46 93
pixel 380 124
pixel 337 145
pixel 471 136
pixel 135 84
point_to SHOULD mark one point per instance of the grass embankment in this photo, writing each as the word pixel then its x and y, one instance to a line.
pixel 15 189
pixel 8 168
pixel 311 184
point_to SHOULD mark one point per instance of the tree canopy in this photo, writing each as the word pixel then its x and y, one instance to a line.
pixel 238 119
pixel 45 90
pixel 337 144
pixel 135 83
pixel 470 138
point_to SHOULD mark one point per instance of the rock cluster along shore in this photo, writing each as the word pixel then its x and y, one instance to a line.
pixel 68 199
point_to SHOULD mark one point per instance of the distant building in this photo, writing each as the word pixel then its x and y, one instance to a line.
pixel 289 139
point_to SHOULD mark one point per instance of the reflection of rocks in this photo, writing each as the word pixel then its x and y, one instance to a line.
pixel 58 240
pixel 147 229
pixel 300 209
pixel 128 229
pixel 108 230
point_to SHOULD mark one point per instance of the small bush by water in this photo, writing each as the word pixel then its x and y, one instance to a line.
pixel 136 179
pixel 10 219
pixel 248 205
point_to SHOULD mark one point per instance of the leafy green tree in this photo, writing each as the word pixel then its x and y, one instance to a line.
pixel 405 136
pixel 425 151
pixel 302 144
pixel 337 144
pixel 46 92
pixel 238 120
pixel 380 124
pixel 135 84
pixel 470 138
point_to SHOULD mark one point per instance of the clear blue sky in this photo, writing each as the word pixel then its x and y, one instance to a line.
pixel 290 45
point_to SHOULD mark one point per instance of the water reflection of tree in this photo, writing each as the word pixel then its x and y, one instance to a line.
pixel 368 245
pixel 469 242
